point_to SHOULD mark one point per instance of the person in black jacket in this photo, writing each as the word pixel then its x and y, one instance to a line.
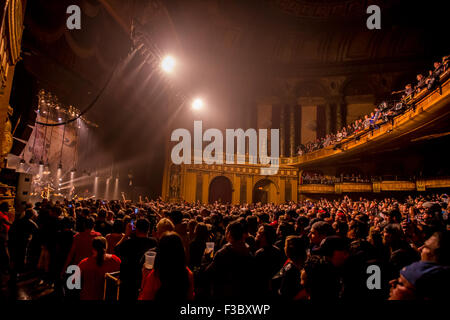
pixel 131 250
pixel 20 235
pixel 400 252
pixel 269 258
pixel 288 279
pixel 233 270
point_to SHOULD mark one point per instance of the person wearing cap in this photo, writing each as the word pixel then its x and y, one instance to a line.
pixel 432 219
pixel 421 280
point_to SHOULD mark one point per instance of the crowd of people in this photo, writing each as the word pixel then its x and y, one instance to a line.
pixel 312 250
pixel 384 112
pixel 318 178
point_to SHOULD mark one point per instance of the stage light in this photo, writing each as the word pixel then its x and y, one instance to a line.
pixel 96 185
pixel 21 165
pixel 59 119
pixel 116 189
pixel 168 64
pixel 197 104
pixel 46 168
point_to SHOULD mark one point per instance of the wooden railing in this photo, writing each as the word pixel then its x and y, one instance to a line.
pixel 378 186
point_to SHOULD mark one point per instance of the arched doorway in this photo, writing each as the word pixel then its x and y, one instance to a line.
pixel 220 190
pixel 265 191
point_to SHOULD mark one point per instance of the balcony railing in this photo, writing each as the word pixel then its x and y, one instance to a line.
pixel 375 186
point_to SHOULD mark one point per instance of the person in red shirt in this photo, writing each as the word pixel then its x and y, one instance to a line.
pixel 115 236
pixel 4 228
pixel 82 243
pixel 171 279
pixel 94 268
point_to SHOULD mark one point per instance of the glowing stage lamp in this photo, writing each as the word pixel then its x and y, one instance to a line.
pixel 46 169
pixel 168 64
pixel 197 104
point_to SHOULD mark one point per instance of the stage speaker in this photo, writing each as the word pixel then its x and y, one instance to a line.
pixel 23 190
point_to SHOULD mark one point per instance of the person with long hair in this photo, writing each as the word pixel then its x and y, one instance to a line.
pixel 198 245
pixel 170 278
pixel 94 268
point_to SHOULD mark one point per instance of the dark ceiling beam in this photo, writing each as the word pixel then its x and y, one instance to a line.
pixel 116 16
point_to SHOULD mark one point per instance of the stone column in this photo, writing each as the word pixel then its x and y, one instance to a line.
pixel 205 188
pixel 340 108
pixel 264 121
pixel 338 116
pixel 282 130
pixel 292 130
pixel 249 189
pixel 235 196
pixel 328 118
pixel 339 102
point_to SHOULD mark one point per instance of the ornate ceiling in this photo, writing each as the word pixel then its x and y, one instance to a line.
pixel 230 41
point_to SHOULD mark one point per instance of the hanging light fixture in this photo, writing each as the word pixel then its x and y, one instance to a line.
pixel 46 168
pixel 21 165
pixel 34 142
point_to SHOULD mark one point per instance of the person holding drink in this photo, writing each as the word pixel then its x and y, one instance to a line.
pixel 170 279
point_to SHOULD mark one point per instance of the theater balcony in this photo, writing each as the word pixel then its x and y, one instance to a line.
pixel 429 184
pixel 427 118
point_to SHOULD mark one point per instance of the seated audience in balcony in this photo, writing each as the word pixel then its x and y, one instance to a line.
pixel 445 62
pixel 421 83
pixel 385 111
